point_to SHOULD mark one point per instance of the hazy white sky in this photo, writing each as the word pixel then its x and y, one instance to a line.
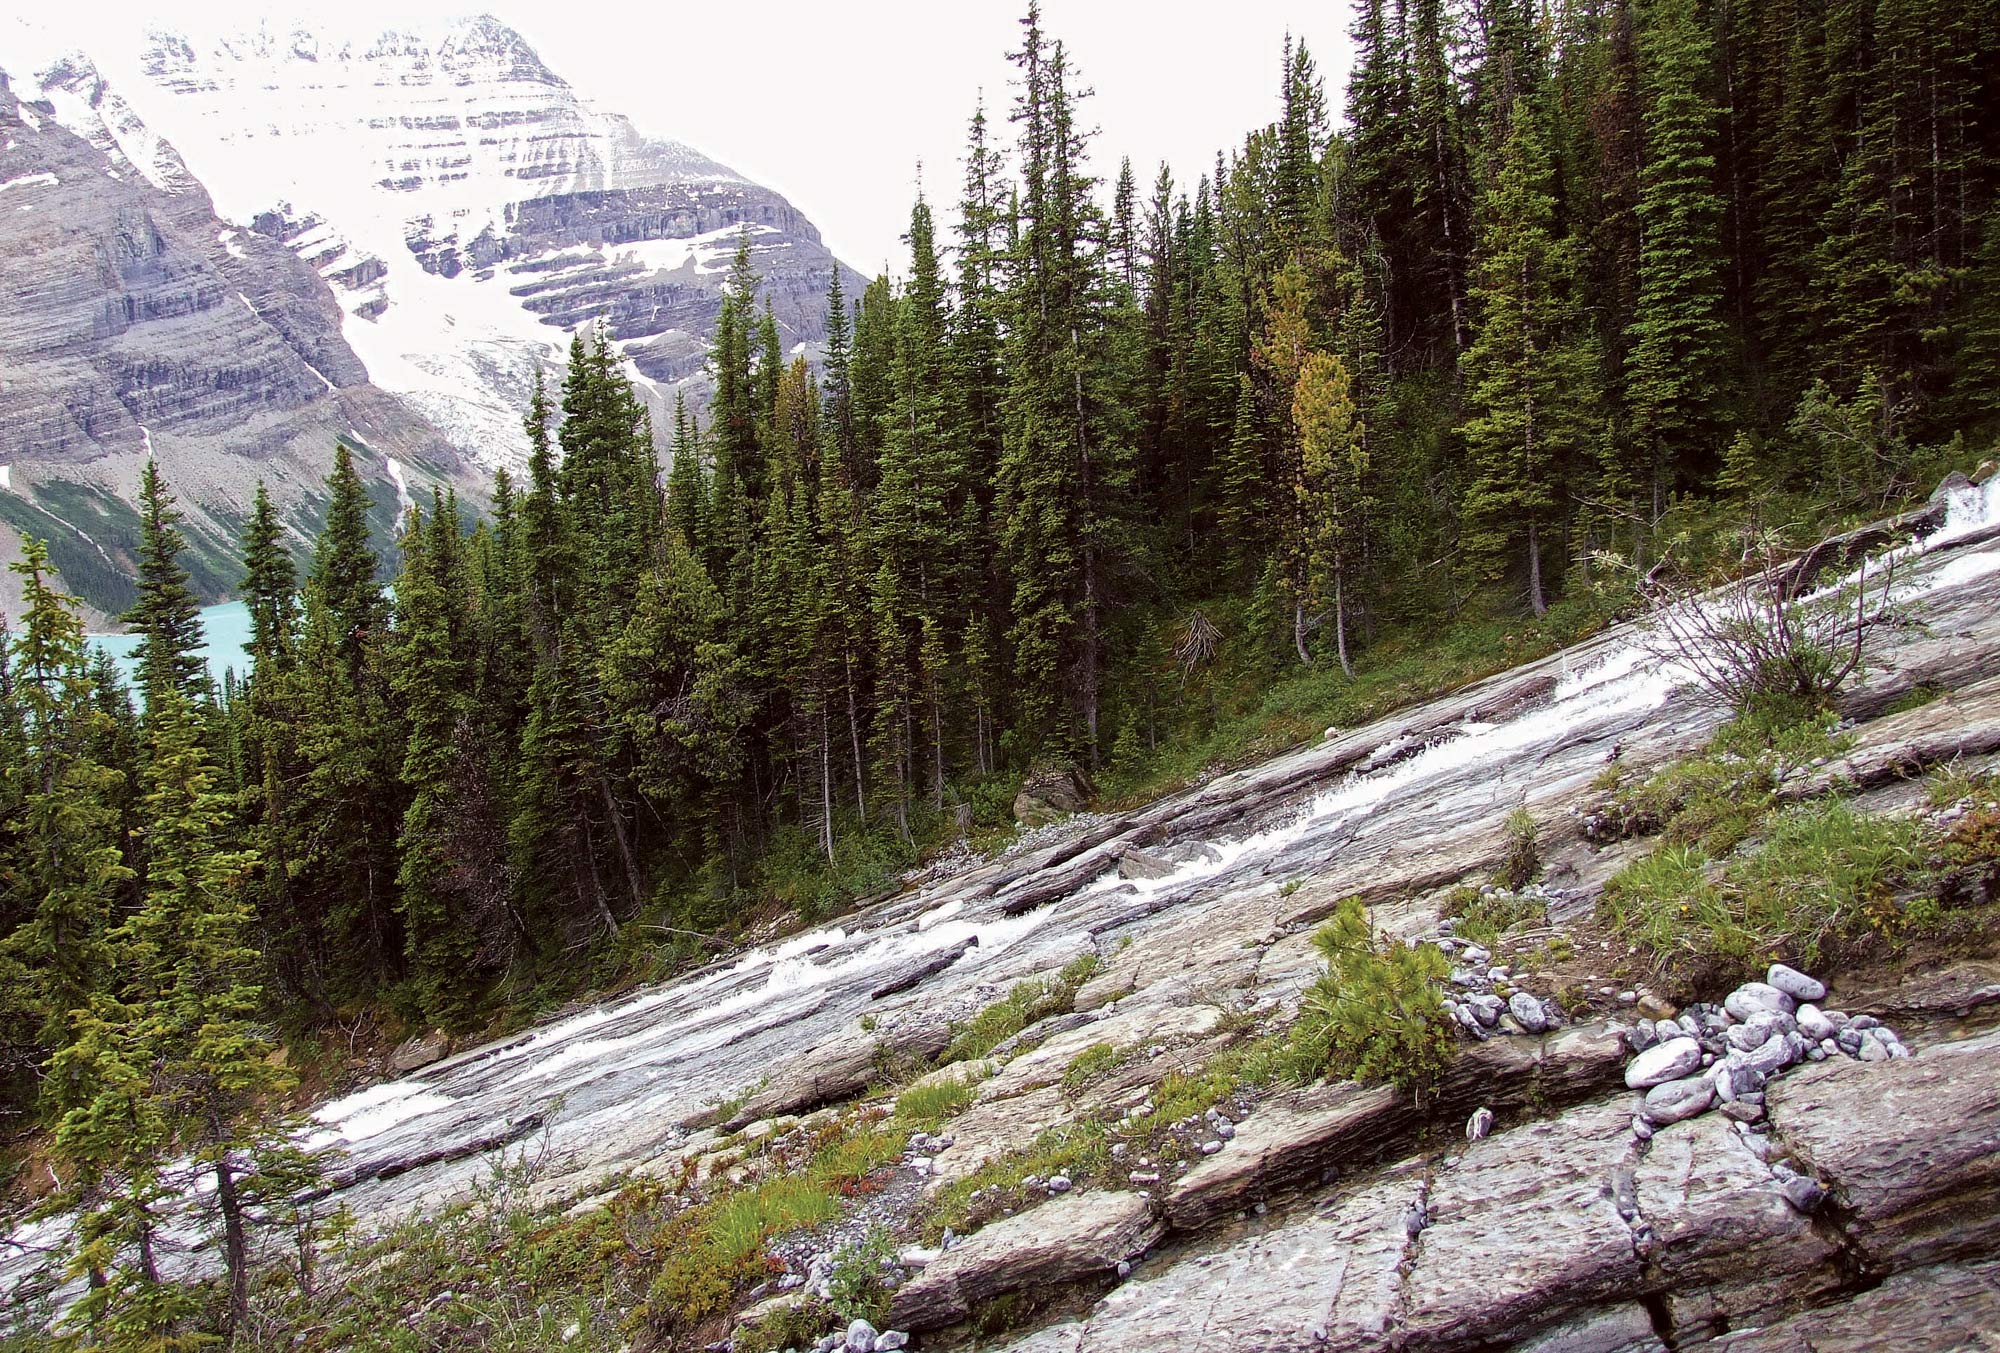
pixel 834 105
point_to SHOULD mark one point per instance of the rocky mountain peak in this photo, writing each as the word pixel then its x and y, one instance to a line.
pixel 228 248
pixel 470 209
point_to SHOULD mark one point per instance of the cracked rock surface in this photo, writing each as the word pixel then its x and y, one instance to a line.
pixel 1566 1234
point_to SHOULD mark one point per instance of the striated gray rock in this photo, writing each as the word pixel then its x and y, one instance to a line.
pixel 1623 1329
pixel 1721 1236
pixel 1522 1231
pixel 1329 1281
pixel 1060 1242
pixel 1911 1147
pixel 1555 1235
pixel 1947 1309
pixel 420 1050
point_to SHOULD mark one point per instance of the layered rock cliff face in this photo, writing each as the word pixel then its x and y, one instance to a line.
pixel 135 322
pixel 470 210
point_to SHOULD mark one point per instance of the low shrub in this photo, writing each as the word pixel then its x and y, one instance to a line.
pixel 1755 642
pixel 1523 859
pixel 1483 917
pixel 799 1325
pixel 1377 1013
pixel 925 1106
pixel 1826 880
pixel 1719 799
pixel 855 1288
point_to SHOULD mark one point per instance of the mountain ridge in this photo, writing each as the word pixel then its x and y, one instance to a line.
pixel 415 223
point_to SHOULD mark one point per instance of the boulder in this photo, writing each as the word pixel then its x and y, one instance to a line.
pixel 1528 1012
pixel 1141 864
pixel 420 1051
pixel 1668 1061
pixel 1795 983
pixel 1677 1101
pixel 1049 793
pixel 1815 1025
pixel 1752 997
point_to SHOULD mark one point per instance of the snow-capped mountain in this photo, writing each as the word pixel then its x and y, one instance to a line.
pixel 228 250
pixel 470 209
pixel 134 323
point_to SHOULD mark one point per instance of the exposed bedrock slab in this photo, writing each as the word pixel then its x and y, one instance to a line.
pixel 1074 1238
pixel 1296 1139
pixel 1327 1281
pixel 1566 1235
pixel 1910 1148
pixel 1945 1309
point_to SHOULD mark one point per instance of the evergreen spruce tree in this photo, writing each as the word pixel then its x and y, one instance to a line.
pixel 167 617
pixel 347 803
pixel 687 486
pixel 1530 371
pixel 291 920
pixel 269 589
pixel 432 682
pixel 1674 370
pixel 68 867
pixel 195 988
pixel 1065 464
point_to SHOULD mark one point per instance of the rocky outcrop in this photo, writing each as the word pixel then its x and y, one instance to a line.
pixel 420 1050
pixel 1059 1244
pixel 1565 1234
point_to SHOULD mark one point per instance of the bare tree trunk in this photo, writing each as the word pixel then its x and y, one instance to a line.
pixel 1092 639
pixel 1299 631
pixel 235 1250
pixel 854 735
pixel 937 749
pixel 825 784
pixel 1535 597
pixel 595 887
pixel 624 849
pixel 1340 624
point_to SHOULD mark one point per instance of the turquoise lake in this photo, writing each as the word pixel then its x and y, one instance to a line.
pixel 226 640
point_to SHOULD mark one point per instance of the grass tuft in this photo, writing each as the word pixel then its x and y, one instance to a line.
pixel 1027 1004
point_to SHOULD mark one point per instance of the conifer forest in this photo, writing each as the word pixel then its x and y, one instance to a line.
pixel 1523 311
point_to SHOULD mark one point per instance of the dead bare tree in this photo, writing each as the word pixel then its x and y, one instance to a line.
pixel 1748 642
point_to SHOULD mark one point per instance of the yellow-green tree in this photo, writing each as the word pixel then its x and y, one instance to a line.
pixel 1327 488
